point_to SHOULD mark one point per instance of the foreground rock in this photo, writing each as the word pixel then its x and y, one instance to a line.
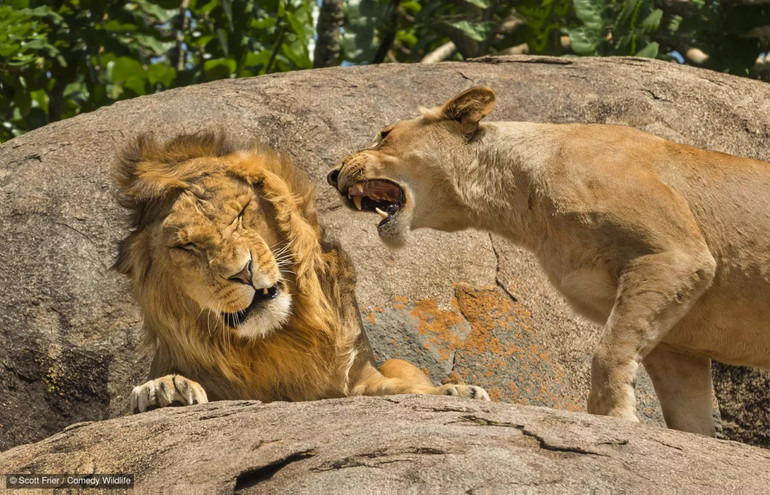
pixel 464 306
pixel 393 445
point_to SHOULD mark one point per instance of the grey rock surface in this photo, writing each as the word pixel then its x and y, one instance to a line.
pixel 393 445
pixel 463 306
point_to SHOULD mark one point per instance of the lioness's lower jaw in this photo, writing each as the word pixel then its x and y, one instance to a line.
pixel 393 233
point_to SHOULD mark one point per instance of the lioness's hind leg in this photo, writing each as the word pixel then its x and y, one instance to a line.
pixel 170 390
pixel 683 385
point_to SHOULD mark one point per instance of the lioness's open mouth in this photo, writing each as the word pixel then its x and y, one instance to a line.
pixel 261 295
pixel 381 196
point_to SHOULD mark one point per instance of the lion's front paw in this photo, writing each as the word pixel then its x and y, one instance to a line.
pixel 465 391
pixel 170 390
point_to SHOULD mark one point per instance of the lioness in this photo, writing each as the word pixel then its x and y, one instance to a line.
pixel 666 245
pixel 239 296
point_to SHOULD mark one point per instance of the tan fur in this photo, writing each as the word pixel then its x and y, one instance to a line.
pixel 212 226
pixel 666 245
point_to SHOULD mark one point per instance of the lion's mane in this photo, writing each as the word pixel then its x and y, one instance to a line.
pixel 309 357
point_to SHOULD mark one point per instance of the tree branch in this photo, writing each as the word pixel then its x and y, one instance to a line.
pixel 390 33
pixel 440 54
pixel 278 43
pixel 180 24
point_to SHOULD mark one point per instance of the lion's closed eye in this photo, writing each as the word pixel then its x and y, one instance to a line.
pixel 190 247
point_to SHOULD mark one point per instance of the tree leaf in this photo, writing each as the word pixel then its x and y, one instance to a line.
pixel 125 67
pixel 652 21
pixel 584 41
pixel 590 12
pixel 482 4
pixel 161 73
pixel 219 68
pixel 650 50
pixel 476 32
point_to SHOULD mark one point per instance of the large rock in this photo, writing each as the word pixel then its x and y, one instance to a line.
pixel 393 445
pixel 464 307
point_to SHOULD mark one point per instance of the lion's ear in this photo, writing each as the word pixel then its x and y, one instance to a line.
pixel 129 160
pixel 470 106
pixel 133 258
pixel 123 262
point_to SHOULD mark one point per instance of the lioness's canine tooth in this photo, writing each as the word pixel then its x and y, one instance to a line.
pixel 381 213
pixel 264 291
pixel 358 188
pixel 357 201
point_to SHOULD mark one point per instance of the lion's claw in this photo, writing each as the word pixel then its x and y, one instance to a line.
pixel 170 390
pixel 464 391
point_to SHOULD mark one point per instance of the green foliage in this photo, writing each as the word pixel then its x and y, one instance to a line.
pixel 59 58
pixel 63 57
pixel 545 21
pixel 420 26
pixel 732 34
pixel 615 28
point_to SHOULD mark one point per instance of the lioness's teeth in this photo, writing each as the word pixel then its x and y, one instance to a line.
pixel 381 213
pixel 264 291
pixel 358 188
pixel 357 201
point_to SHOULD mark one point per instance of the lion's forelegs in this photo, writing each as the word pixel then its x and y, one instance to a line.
pixel 397 376
pixel 655 291
pixel 404 370
pixel 683 385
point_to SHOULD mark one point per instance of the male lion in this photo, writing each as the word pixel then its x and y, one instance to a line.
pixel 666 245
pixel 239 296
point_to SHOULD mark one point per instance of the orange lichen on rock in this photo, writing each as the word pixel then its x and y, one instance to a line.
pixel 487 338
pixel 438 326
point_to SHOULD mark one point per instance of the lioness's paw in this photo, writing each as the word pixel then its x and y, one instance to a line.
pixel 170 390
pixel 464 391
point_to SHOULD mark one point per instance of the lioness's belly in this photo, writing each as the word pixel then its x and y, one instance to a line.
pixel 729 323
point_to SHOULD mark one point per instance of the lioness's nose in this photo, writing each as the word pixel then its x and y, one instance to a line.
pixel 243 276
pixel 332 177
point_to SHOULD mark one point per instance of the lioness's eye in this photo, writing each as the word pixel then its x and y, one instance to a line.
pixel 384 133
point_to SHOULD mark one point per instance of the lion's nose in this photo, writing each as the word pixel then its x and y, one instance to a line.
pixel 243 276
pixel 332 177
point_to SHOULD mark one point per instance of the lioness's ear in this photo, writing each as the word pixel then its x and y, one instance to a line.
pixel 470 106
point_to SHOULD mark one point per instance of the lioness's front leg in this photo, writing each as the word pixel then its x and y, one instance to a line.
pixel 397 376
pixel 170 390
pixel 654 292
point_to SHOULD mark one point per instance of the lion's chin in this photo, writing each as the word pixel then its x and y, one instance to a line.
pixel 269 318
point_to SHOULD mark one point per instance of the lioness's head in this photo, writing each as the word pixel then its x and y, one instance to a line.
pixel 403 175
pixel 214 234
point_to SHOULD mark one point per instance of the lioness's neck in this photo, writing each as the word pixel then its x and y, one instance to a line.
pixel 497 180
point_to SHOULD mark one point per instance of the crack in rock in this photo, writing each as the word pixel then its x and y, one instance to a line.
pixel 378 458
pixel 252 477
pixel 543 443
pixel 499 282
